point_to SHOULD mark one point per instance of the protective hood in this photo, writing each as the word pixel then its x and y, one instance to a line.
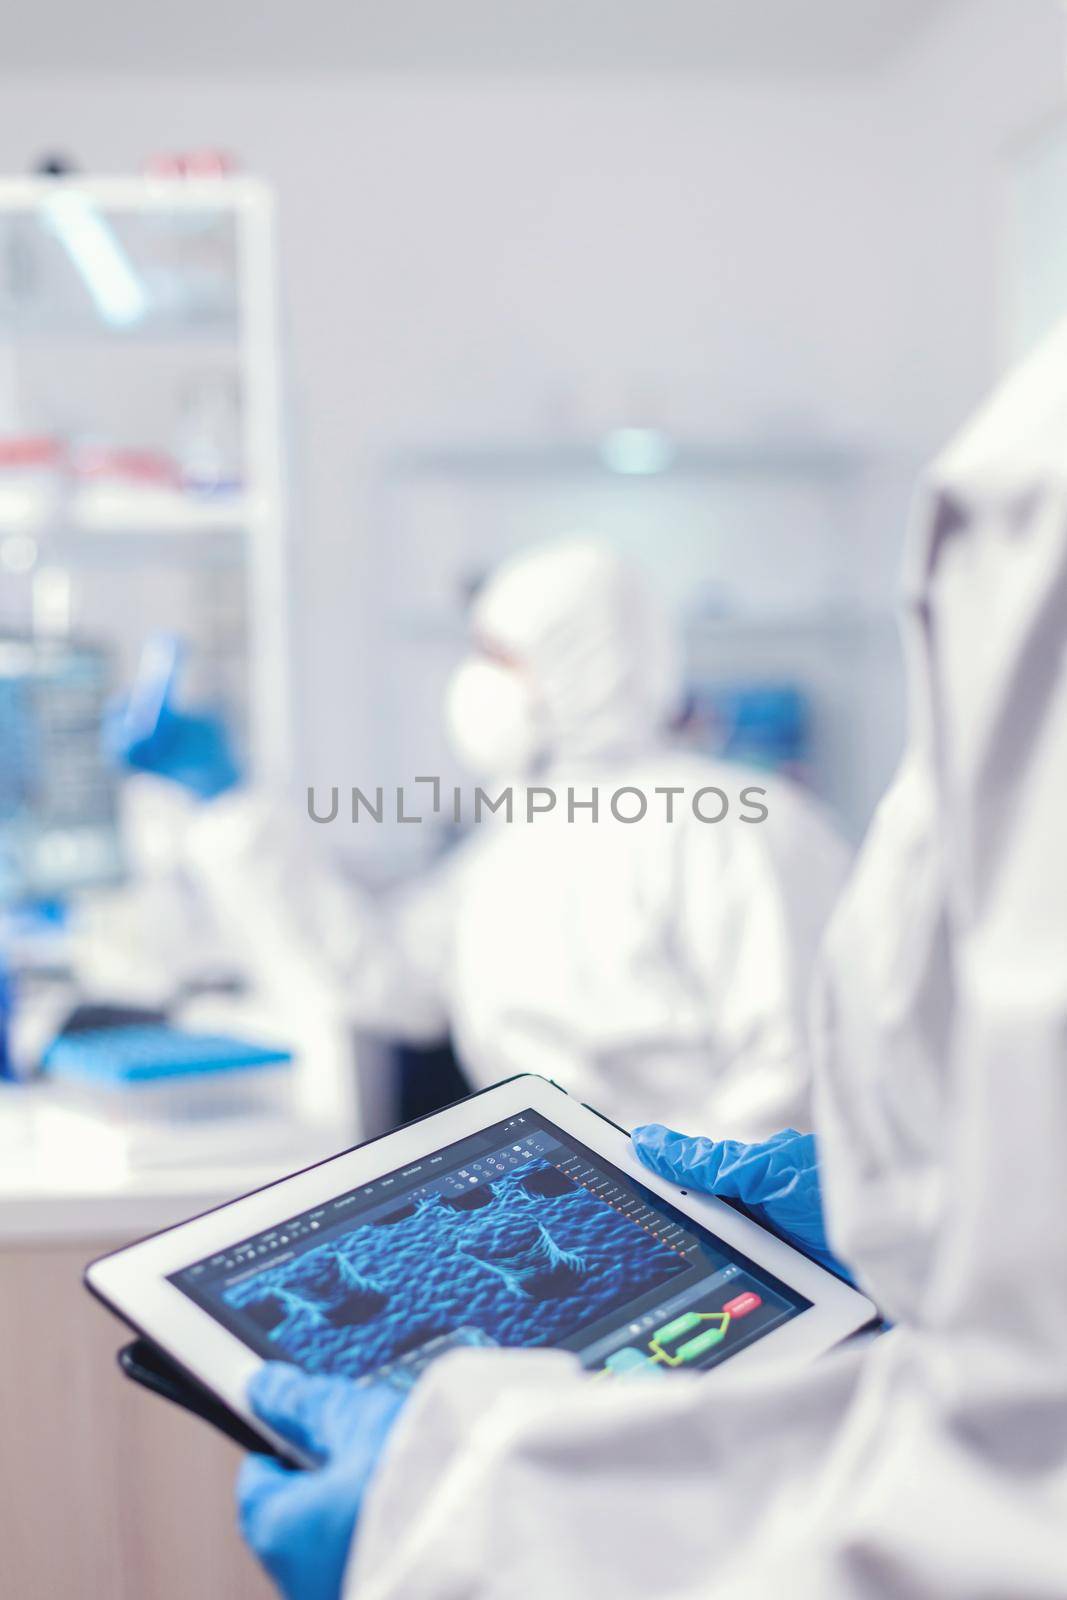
pixel 594 642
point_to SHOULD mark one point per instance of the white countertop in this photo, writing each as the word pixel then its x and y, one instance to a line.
pixel 56 1186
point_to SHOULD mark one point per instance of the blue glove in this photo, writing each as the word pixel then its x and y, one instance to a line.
pixel 776 1181
pixel 300 1524
pixel 146 731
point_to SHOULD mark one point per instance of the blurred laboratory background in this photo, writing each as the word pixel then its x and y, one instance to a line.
pixel 310 317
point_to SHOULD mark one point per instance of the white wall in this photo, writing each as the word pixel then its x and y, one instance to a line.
pixel 458 254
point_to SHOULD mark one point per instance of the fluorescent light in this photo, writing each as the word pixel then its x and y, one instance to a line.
pixel 637 451
pixel 99 258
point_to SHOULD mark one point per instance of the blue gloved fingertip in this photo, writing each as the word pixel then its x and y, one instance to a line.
pixel 651 1134
pixel 271 1386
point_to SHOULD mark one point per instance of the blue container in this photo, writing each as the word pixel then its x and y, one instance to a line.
pixel 7 998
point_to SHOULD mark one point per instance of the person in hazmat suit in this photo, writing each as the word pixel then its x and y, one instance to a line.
pixel 642 929
pixel 929 1463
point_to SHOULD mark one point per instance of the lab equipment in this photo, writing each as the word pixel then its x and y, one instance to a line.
pixel 151 1053
pixel 209 445
pixel 149 733
pixel 58 803
pixel 776 1180
pixel 6 1004
pixel 300 1524
pixel 149 1087
pixel 31 465
pixel 760 724
pixel 656 971
pixel 930 1462
pixel 515 1218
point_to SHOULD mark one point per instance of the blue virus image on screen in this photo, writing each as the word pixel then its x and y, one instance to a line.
pixel 523 1260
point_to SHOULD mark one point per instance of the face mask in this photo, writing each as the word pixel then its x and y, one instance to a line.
pixel 492 720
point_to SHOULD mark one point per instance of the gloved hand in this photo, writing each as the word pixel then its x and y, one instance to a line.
pixel 777 1181
pixel 146 731
pixel 300 1523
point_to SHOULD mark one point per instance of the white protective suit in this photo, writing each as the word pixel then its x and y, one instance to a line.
pixel 652 968
pixel 933 1462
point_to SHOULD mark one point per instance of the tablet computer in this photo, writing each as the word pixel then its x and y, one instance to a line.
pixel 516 1217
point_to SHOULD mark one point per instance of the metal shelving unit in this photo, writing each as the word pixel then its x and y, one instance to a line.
pixel 118 296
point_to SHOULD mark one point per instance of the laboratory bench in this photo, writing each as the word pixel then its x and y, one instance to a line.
pixel 106 1491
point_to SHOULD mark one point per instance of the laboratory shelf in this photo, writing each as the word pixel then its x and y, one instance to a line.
pixel 765 461
pixel 817 626
pixel 119 511
pixel 139 317
pixel 158 548
pixel 140 194
pixel 178 332
pixel 814 626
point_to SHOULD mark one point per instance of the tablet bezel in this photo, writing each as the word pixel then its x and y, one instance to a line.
pixel 133 1281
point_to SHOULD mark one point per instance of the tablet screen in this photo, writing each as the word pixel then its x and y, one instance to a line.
pixel 518 1235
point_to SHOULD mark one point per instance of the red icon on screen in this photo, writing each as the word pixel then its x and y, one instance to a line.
pixel 742 1304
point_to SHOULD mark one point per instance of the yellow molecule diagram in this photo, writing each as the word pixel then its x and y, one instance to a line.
pixel 664 1343
pixel 684 1339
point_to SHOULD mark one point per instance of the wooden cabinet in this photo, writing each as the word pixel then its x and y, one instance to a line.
pixel 106 1492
